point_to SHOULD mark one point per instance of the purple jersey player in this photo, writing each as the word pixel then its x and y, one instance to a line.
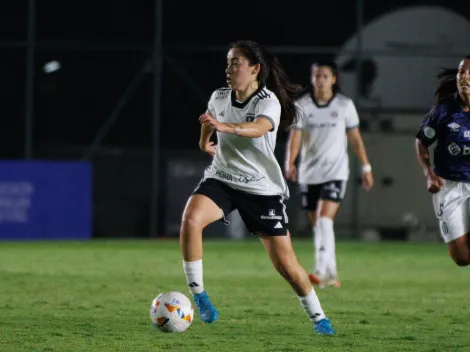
pixel 448 124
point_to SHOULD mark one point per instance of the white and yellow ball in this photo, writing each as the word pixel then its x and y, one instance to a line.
pixel 171 312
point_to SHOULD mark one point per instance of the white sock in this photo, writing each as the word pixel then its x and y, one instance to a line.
pixel 311 305
pixel 316 245
pixel 328 245
pixel 331 270
pixel 321 260
pixel 328 236
pixel 193 272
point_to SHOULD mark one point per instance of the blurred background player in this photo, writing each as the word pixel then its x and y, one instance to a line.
pixel 448 123
pixel 326 118
pixel 245 174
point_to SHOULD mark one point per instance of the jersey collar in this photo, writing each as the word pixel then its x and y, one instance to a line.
pixel 321 106
pixel 239 105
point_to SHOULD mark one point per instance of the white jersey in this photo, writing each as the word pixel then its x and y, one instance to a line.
pixel 324 149
pixel 247 164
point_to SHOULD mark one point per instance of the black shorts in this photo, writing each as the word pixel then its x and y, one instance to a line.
pixel 331 190
pixel 261 214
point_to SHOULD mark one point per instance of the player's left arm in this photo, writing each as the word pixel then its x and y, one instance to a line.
pixel 357 144
pixel 268 113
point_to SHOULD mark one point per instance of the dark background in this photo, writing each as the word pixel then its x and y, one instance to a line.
pixel 103 45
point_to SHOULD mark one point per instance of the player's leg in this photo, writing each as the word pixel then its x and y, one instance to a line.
pixel 331 195
pixel 452 210
pixel 459 250
pixel 205 206
pixel 310 195
pixel 266 216
pixel 285 261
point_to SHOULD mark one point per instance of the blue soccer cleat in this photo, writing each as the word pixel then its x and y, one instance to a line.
pixel 323 327
pixel 206 309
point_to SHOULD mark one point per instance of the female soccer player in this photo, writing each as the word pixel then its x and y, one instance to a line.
pixel 448 123
pixel 327 117
pixel 245 175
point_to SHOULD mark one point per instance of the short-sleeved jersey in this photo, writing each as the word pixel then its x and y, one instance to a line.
pixel 449 125
pixel 247 164
pixel 324 148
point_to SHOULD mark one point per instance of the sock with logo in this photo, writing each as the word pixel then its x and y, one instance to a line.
pixel 311 305
pixel 321 261
pixel 328 235
pixel 193 272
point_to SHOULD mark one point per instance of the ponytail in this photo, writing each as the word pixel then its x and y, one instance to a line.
pixel 273 76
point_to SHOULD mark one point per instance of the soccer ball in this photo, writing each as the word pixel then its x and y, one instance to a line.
pixel 171 312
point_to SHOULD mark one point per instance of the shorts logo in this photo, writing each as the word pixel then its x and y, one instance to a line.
pixel 278 225
pixel 271 215
pixel 445 228
pixel 304 201
pixel 466 134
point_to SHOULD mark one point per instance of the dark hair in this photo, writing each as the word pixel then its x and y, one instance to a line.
pixel 334 70
pixel 273 76
pixel 447 83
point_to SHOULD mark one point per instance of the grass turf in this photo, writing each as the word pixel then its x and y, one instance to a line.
pixel 95 296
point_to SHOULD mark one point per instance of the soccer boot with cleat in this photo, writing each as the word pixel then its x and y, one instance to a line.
pixel 322 282
pixel 206 309
pixel 332 282
pixel 323 327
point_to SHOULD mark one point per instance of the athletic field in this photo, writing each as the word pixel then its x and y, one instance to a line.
pixel 95 296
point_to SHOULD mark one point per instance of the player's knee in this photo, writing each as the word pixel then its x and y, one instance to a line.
pixel 324 223
pixel 312 216
pixel 192 221
pixel 462 261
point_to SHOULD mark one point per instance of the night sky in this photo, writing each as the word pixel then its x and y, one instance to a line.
pixel 102 46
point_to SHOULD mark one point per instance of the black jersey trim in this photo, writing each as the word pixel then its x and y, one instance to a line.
pixel 239 105
pixel 321 106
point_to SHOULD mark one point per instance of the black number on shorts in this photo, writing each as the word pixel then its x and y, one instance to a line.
pixel 441 209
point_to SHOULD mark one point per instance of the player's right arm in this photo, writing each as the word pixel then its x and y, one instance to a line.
pixel 204 140
pixel 207 130
pixel 292 152
pixel 425 137
pixel 294 144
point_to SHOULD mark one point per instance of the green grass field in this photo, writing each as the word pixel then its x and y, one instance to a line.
pixel 95 296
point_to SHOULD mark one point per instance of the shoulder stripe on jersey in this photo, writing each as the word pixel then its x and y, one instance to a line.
pixel 263 94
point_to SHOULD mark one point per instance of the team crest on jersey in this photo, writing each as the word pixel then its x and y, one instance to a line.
pixel 250 117
pixel 334 114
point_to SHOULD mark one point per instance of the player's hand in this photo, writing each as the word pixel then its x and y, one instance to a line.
pixel 211 122
pixel 291 173
pixel 209 148
pixel 367 180
pixel 434 182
